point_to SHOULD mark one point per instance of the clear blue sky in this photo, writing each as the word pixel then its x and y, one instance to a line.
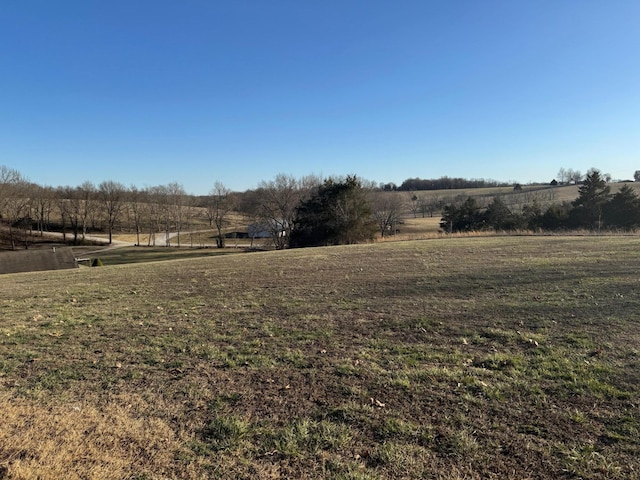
pixel 148 92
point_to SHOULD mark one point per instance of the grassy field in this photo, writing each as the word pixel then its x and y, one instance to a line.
pixel 457 358
pixel 126 255
pixel 544 195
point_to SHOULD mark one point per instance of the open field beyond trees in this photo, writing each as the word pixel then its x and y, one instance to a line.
pixel 456 358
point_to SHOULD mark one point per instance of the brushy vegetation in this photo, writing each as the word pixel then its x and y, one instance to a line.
pixel 595 209
pixel 456 358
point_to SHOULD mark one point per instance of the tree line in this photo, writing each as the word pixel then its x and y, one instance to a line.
pixel 28 209
pixel 444 183
pixel 354 210
pixel 289 211
pixel 595 208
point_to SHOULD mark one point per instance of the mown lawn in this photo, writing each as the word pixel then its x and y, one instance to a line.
pixel 497 357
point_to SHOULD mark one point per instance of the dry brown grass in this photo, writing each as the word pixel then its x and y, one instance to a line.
pixel 80 440
pixel 459 358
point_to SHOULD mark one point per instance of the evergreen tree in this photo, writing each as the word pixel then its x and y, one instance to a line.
pixel 593 194
pixel 338 212
pixel 532 215
pixel 498 216
pixel 556 216
pixel 623 210
pixel 464 218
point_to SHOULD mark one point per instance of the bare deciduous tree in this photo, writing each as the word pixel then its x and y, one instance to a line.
pixel 219 204
pixel 112 195
pixel 387 210
pixel 562 175
pixel 138 204
pixel 176 200
pixel 157 211
pixel 277 201
pixel 190 213
pixel 15 207
pixel 73 203
pixel 42 202
pixel 414 203
pixel 423 206
pixel 576 176
pixel 10 184
pixel 88 205
pixel 62 205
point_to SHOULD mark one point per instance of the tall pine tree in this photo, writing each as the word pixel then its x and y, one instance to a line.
pixel 337 213
pixel 593 194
